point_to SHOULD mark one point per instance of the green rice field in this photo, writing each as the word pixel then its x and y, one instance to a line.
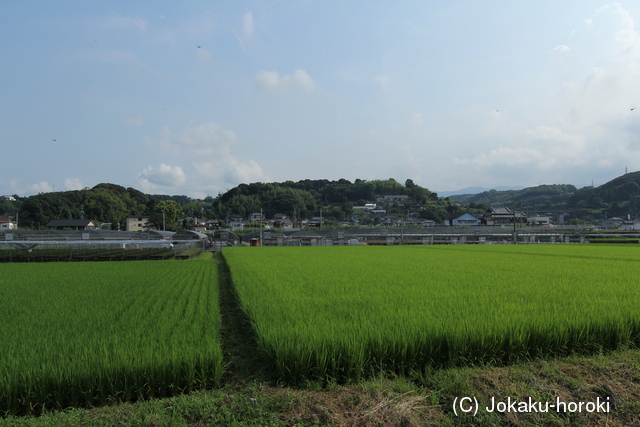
pixel 343 313
pixel 83 334
pixel 93 333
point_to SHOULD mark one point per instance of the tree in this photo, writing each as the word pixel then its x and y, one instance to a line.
pixel 172 214
pixel 193 208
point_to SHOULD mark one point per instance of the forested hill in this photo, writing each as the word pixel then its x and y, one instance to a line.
pixel 111 203
pixel 624 189
pixel 620 196
pixel 104 203
pixel 541 196
pixel 305 198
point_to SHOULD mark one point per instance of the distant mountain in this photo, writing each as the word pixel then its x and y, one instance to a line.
pixel 468 191
pixel 541 196
pixel 623 190
pixel 620 196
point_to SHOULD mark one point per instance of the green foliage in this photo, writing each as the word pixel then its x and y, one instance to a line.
pixel 621 189
pixel 541 196
pixel 305 198
pixel 194 208
pixel 92 333
pixel 346 313
pixel 165 216
pixel 9 208
pixel 103 203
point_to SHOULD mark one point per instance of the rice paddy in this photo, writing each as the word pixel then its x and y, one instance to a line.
pixel 93 333
pixel 341 314
pixel 83 334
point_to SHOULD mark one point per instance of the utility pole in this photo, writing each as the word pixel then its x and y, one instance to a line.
pixel 515 236
pixel 260 226
pixel 163 226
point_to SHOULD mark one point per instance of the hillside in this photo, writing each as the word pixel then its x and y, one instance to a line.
pixel 618 197
pixel 541 196
pixel 624 189
pixel 111 203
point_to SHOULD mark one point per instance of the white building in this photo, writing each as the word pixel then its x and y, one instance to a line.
pixel 7 224
pixel 136 223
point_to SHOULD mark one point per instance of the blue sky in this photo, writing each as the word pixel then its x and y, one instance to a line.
pixel 195 97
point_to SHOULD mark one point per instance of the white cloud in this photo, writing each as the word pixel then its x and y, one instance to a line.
pixel 208 148
pixel 588 21
pixel 625 16
pixel 505 156
pixel 247 172
pixel 562 48
pixel 299 81
pixel 41 187
pixel 163 176
pixel 542 148
pixel 73 184
pixel 245 35
pixel 247 24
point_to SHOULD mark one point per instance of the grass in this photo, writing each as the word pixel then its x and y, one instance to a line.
pixel 381 401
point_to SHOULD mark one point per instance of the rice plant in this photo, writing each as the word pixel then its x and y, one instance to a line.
pixel 341 313
pixel 93 333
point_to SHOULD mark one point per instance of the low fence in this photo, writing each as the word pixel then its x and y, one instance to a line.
pixel 430 236
pixel 51 251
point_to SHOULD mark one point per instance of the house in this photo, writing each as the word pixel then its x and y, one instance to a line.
pixel 502 216
pixel 255 217
pixel 279 216
pixel 236 224
pixel 213 224
pixel 136 223
pixel 75 224
pixel 395 199
pixel 372 210
pixel 283 223
pixel 377 213
pixel 613 222
pixel 462 219
pixel 413 222
pixel 630 224
pixel 428 223
pixel 7 224
pixel 9 198
pixel 367 207
pixel 539 220
pixel 200 227
pixel 316 221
